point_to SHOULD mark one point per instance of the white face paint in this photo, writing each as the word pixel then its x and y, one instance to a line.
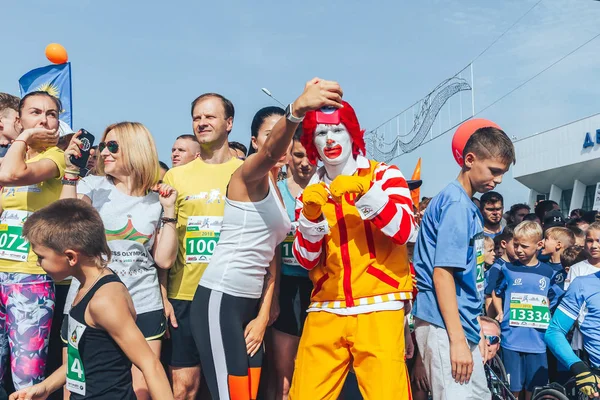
pixel 333 143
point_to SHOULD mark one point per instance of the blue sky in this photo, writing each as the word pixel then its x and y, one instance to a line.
pixel 147 60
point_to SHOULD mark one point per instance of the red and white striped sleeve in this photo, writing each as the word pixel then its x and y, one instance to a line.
pixel 388 204
pixel 308 243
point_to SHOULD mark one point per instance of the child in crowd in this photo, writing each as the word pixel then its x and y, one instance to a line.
pixel 570 256
pixel 505 243
pixel 526 311
pixel 450 272
pixel 556 240
pixel 489 248
pixel 498 249
pixel 592 264
pixel 489 255
pixel 69 239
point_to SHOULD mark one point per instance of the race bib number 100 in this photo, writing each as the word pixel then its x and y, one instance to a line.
pixel 529 310
pixel 13 246
pixel 201 237
pixel 287 254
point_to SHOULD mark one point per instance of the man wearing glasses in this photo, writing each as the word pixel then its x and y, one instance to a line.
pixel 491 332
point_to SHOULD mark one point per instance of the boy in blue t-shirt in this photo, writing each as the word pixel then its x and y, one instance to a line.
pixel 448 261
pixel 526 312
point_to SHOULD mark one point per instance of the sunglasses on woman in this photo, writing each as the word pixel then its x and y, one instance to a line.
pixel 111 145
pixel 492 339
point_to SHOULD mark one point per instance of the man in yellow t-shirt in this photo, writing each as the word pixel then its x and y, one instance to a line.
pixel 201 186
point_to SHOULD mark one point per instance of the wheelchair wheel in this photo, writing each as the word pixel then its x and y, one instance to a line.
pixel 498 380
pixel 498 367
pixel 549 394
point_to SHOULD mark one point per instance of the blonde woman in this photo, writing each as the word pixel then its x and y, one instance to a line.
pixel 124 193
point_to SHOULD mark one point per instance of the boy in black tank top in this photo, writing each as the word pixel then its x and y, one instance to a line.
pixel 69 239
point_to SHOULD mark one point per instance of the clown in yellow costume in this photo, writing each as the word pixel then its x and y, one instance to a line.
pixel 354 219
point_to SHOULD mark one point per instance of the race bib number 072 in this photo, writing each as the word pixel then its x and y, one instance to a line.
pixel 13 246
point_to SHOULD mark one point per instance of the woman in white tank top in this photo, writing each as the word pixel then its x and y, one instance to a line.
pixel 231 307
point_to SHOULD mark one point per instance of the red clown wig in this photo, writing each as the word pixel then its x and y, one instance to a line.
pixel 347 117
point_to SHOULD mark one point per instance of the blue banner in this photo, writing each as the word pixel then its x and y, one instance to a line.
pixel 54 79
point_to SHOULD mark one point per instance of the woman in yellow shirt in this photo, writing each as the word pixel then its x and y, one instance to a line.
pixel 30 176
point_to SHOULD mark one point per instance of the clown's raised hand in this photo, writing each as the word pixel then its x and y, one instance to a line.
pixel 313 198
pixel 358 185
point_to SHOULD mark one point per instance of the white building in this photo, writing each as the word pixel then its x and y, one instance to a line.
pixel 562 164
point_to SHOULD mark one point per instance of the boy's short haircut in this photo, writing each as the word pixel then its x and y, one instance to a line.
pixel 69 224
pixel 572 255
pixel 563 235
pixel 510 229
pixel 502 237
pixel 8 101
pixel 530 230
pixel 488 239
pixel 506 235
pixel 490 198
pixel 491 142
pixel 484 318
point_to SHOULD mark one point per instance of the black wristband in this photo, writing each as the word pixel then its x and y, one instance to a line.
pixel 166 220
pixel 578 368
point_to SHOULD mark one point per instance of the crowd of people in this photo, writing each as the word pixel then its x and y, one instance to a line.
pixel 276 270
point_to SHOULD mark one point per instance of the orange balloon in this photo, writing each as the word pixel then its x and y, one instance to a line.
pixel 56 53
pixel 464 132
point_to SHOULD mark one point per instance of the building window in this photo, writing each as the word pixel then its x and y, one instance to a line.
pixel 588 199
pixel 565 200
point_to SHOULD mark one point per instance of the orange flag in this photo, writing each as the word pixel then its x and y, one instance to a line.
pixel 416 194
